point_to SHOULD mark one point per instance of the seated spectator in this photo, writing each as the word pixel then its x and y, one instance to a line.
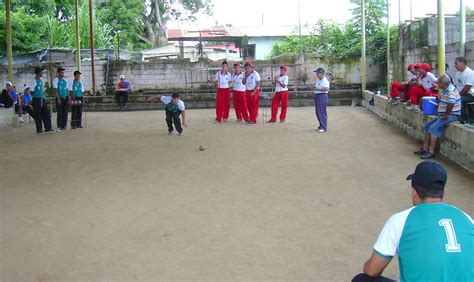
pixel 27 102
pixel 433 240
pixel 464 83
pixel 398 87
pixel 427 81
pixel 6 100
pixel 16 102
pixel 122 93
pixel 449 110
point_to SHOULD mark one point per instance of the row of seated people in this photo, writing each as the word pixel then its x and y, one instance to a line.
pixel 423 83
pixel 22 102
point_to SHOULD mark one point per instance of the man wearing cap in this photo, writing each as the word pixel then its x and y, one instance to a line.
pixel 222 80
pixel 238 93
pixel 26 102
pixel 173 109
pixel 16 102
pixel 464 81
pixel 427 81
pixel 43 116
pixel 60 90
pixel 433 240
pixel 321 99
pixel 398 87
pixel 122 92
pixel 449 110
pixel 281 94
pixel 252 93
pixel 76 88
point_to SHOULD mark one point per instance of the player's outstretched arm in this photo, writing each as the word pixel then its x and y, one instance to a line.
pixel 183 113
pixel 154 98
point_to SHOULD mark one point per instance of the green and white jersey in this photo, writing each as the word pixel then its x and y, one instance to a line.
pixel 61 85
pixel 434 242
pixel 37 86
pixel 77 88
pixel 172 107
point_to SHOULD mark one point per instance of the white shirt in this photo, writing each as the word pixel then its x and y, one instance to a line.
pixel 237 80
pixel 428 80
pixel 465 78
pixel 223 79
pixel 322 83
pixel 167 99
pixel 252 80
pixel 412 77
pixel 283 80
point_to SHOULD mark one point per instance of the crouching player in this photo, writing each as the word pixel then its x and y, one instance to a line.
pixel 174 108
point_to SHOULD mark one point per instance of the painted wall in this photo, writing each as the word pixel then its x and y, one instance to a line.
pixel 263 46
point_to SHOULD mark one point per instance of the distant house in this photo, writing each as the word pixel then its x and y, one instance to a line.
pixel 239 43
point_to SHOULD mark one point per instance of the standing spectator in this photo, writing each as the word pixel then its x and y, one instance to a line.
pixel 16 101
pixel 398 87
pixel 464 83
pixel 449 110
pixel 222 80
pixel 281 94
pixel 252 85
pixel 321 99
pixel 60 90
pixel 77 95
pixel 433 240
pixel 174 108
pixel 43 116
pixel 240 103
pixel 427 81
pixel 26 102
pixel 122 93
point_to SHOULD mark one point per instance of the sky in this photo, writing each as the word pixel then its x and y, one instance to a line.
pixel 285 12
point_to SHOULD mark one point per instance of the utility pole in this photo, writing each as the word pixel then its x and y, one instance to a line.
pixel 301 37
pixel 78 37
pixel 9 42
pixel 462 16
pixel 441 39
pixel 363 60
pixel 91 32
pixel 388 49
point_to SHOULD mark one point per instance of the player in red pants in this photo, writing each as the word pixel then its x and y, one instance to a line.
pixel 240 103
pixel 281 94
pixel 222 79
pixel 398 87
pixel 428 83
pixel 252 85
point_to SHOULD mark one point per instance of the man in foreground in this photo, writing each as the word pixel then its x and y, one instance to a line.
pixel 433 240
pixel 174 108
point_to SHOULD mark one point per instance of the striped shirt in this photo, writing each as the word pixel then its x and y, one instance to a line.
pixel 449 95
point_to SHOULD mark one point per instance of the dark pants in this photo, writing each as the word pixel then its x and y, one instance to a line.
pixel 122 98
pixel 464 107
pixel 362 277
pixel 61 112
pixel 76 113
pixel 29 110
pixel 321 101
pixel 42 114
pixel 173 118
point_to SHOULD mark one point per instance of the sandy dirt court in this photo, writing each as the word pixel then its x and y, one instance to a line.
pixel 121 200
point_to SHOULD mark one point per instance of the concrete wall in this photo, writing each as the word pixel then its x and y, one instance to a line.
pixel 457 143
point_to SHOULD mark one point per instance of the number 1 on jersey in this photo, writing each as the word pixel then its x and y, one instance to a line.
pixel 452 246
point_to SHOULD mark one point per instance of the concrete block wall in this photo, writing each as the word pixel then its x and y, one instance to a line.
pixel 457 143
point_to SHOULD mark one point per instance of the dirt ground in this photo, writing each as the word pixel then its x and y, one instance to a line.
pixel 122 200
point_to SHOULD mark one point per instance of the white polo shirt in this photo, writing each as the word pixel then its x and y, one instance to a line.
pixel 428 80
pixel 252 80
pixel 321 83
pixel 282 79
pixel 465 78
pixel 167 99
pixel 237 80
pixel 223 80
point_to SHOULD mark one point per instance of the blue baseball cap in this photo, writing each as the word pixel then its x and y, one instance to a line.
pixel 429 175
pixel 319 70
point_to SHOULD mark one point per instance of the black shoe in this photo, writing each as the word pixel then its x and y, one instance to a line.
pixel 73 127
pixel 427 156
pixel 79 126
pixel 421 152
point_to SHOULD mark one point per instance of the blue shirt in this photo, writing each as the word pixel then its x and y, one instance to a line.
pixel 14 96
pixel 26 98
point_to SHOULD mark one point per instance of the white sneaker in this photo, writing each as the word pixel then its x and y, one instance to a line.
pixel 170 133
pixel 180 134
pixel 321 130
pixel 21 120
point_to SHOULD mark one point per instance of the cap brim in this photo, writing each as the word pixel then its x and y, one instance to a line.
pixel 410 177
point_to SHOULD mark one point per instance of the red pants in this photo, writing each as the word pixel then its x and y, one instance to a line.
pixel 283 97
pixel 240 105
pixel 252 104
pixel 222 104
pixel 417 92
pixel 400 87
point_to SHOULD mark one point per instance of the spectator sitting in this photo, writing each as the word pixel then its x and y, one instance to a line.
pixel 16 101
pixel 427 81
pixel 403 87
pixel 464 83
pixel 122 93
pixel 6 100
pixel 449 110
pixel 27 102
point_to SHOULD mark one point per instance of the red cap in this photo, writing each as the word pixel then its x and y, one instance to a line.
pixel 236 65
pixel 424 66
pixel 248 64
pixel 284 67
pixel 411 66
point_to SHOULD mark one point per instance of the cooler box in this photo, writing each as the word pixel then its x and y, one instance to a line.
pixel 429 105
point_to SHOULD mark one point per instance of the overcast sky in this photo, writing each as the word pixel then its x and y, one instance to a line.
pixel 285 12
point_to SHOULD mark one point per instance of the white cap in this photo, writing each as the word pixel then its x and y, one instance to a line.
pixel 9 83
pixel 122 76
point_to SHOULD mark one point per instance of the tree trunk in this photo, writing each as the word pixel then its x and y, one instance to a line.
pixel 160 31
